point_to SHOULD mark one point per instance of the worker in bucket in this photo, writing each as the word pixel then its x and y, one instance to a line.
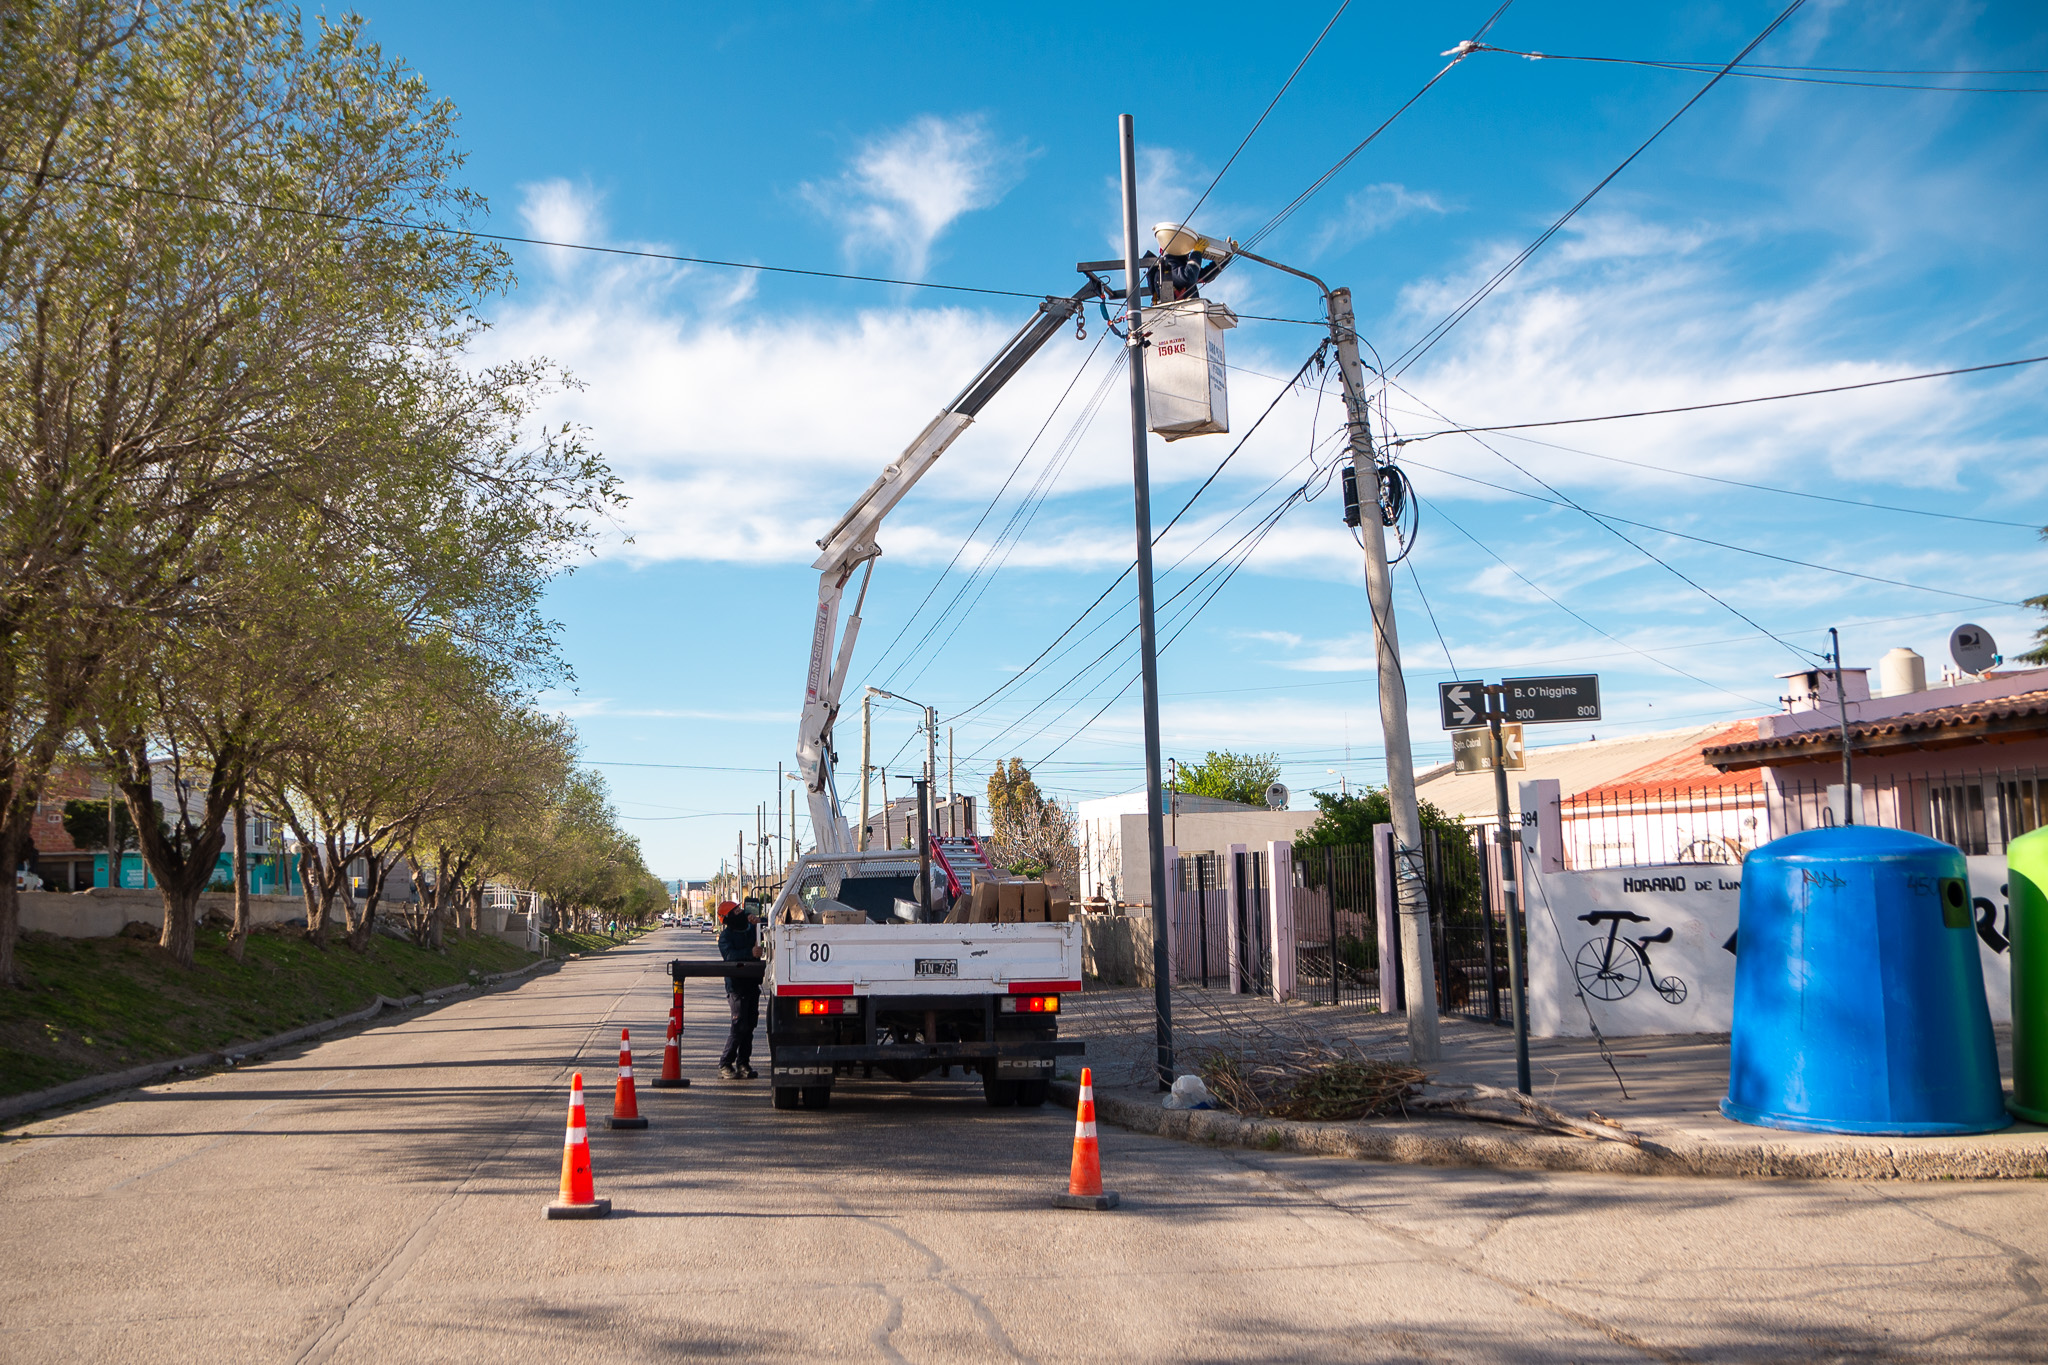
pixel 738 942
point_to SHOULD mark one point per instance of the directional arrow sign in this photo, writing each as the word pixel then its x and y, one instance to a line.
pixel 1472 750
pixel 1463 703
pixel 1545 701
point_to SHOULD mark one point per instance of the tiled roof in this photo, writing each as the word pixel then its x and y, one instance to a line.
pixel 2022 716
pixel 1682 770
pixel 1575 767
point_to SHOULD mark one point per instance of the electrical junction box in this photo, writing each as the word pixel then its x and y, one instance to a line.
pixel 1185 391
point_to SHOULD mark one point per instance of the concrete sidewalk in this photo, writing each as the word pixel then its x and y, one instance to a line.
pixel 1664 1090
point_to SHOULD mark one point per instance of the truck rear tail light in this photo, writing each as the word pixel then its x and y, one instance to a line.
pixel 841 1005
pixel 1030 1004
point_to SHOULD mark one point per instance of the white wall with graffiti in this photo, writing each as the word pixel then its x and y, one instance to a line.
pixel 1651 950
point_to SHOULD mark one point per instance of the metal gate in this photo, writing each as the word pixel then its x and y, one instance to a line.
pixel 1253 926
pixel 1468 933
pixel 1201 921
pixel 1337 927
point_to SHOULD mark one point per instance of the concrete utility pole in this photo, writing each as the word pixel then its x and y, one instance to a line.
pixel 866 766
pixel 1416 954
pixel 952 817
pixel 1148 640
pixel 1181 239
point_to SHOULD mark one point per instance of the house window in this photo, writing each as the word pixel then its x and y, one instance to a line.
pixel 2020 806
pixel 1957 815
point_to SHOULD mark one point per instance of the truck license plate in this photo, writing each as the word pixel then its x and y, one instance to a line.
pixel 938 966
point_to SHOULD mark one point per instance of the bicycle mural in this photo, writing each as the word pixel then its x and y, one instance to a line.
pixel 1611 968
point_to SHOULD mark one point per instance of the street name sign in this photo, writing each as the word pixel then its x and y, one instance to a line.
pixel 1550 701
pixel 1463 703
pixel 1472 750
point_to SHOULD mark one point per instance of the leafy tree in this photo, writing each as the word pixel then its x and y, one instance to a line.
pixel 194 349
pixel 86 823
pixel 1349 818
pixel 1030 834
pixel 1232 777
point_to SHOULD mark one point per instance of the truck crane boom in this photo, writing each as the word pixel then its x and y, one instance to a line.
pixel 850 545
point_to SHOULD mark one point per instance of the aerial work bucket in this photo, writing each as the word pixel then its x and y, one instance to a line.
pixel 1185 392
pixel 1859 997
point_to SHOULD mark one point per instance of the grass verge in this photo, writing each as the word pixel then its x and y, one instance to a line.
pixel 566 942
pixel 84 1006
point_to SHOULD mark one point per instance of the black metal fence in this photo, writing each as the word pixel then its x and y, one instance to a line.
pixel 1979 810
pixel 1336 927
pixel 1468 929
pixel 1254 928
pixel 1202 917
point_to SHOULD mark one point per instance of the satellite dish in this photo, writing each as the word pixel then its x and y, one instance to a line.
pixel 1973 649
pixel 1276 797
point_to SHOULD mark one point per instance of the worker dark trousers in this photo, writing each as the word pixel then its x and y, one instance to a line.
pixel 739 1039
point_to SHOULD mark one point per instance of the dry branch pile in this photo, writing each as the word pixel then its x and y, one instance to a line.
pixel 1306 1082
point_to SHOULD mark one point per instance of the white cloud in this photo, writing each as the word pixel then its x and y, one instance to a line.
pixel 1374 209
pixel 905 187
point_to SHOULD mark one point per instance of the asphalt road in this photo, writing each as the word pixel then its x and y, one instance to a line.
pixel 378 1198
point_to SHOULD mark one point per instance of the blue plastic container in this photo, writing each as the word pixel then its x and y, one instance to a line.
pixel 1859 997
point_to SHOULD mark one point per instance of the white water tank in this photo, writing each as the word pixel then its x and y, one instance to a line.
pixel 1185 389
pixel 1901 671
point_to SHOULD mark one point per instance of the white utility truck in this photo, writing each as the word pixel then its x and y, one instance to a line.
pixel 863 977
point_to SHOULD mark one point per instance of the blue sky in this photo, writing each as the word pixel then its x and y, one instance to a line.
pixel 1781 236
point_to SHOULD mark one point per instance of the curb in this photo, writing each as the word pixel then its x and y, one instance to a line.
pixel 1455 1142
pixel 86 1087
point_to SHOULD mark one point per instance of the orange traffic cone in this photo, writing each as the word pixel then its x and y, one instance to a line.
pixel 1084 1182
pixel 579 1196
pixel 625 1101
pixel 672 1077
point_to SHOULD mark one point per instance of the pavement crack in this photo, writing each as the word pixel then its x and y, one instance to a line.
pixel 1457 1261
pixel 880 1336
pixel 939 1273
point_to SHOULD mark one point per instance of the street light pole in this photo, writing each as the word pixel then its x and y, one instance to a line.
pixel 1148 644
pixel 867 766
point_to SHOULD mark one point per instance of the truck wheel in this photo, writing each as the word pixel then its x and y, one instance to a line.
pixel 787 1096
pixel 817 1096
pixel 999 1094
pixel 1032 1094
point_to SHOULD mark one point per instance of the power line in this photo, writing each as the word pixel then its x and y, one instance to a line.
pixel 1456 54
pixel 1770 488
pixel 1160 535
pixel 1436 333
pixel 1725 403
pixel 1561 501
pixel 1009 478
pixel 1270 104
pixel 1541 592
pixel 1764 72
pixel 330 215
pixel 1643 550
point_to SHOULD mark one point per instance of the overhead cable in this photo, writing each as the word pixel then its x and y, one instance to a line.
pixel 1436 333
pixel 1456 54
pixel 444 230
pixel 1759 71
pixel 1561 501
pixel 1284 86
pixel 1725 403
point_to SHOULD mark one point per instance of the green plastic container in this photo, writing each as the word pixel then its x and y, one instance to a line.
pixel 2026 865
